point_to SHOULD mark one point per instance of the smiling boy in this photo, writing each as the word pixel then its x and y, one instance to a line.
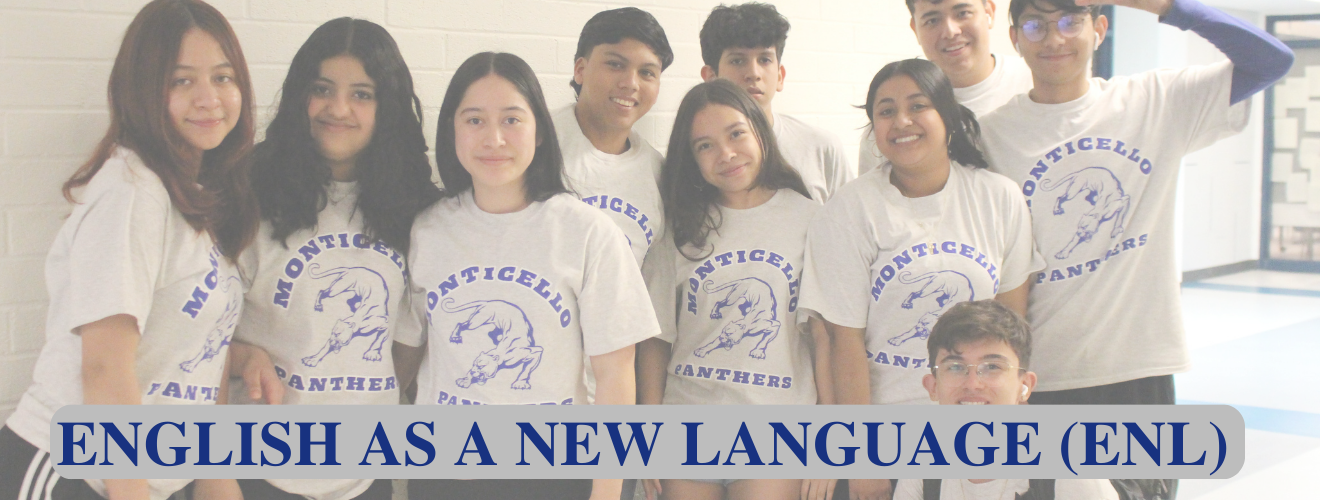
pixel 745 44
pixel 955 35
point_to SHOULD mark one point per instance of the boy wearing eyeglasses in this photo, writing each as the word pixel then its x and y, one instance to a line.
pixel 981 351
pixel 1098 162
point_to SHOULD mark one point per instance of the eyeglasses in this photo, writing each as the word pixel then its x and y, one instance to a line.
pixel 986 370
pixel 1069 27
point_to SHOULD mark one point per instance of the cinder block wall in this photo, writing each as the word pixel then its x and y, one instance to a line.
pixel 55 58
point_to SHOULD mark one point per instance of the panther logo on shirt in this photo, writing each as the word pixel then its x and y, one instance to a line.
pixel 1102 190
pixel 367 296
pixel 948 288
pixel 756 302
pixel 511 332
pixel 223 331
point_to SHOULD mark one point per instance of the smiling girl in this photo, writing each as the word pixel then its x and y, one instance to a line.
pixel 516 280
pixel 144 294
pixel 726 284
pixel 902 244
pixel 340 176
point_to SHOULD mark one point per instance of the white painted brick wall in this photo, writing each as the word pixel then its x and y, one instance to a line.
pixel 55 58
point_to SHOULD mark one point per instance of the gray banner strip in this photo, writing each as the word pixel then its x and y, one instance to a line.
pixel 691 442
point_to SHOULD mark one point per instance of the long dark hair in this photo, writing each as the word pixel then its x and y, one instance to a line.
pixel 690 201
pixel 544 177
pixel 211 191
pixel 959 122
pixel 394 176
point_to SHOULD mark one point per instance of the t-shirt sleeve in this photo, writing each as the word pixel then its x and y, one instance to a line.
pixel 837 166
pixel 660 272
pixel 1199 97
pixel 909 489
pixel 835 282
pixel 116 253
pixel 1021 256
pixel 411 326
pixel 613 306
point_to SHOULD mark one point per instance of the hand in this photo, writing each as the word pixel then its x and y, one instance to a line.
pixel 652 487
pixel 818 489
pixel 1157 7
pixel 258 373
pixel 869 489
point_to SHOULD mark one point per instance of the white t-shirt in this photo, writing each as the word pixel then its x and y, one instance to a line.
pixel 1106 309
pixel 126 249
pixel 817 156
pixel 514 302
pixel 624 186
pixel 892 265
pixel 1009 79
pixel 1006 489
pixel 324 308
pixel 736 333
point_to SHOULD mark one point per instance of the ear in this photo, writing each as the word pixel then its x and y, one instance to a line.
pixel 912 23
pixel 1101 28
pixel 579 66
pixel 1013 36
pixel 1028 380
pixel 990 10
pixel 928 381
pixel 782 72
pixel 708 73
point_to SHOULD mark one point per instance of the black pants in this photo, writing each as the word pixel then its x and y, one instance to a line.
pixel 26 473
pixel 499 489
pixel 1143 391
pixel 260 489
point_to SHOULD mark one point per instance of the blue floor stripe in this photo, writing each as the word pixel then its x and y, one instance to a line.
pixel 1252 289
pixel 1297 423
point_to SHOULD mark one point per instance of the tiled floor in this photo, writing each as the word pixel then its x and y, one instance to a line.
pixel 1254 339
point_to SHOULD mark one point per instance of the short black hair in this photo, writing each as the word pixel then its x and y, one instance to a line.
pixel 980 320
pixel 612 26
pixel 544 177
pixel 748 25
pixel 912 4
pixel 1016 8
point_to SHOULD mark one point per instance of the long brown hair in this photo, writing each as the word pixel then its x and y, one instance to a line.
pixel 212 191
pixel 691 207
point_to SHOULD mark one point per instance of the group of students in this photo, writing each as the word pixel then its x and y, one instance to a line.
pixel 566 261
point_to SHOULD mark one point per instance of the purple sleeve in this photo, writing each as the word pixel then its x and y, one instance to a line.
pixel 1259 59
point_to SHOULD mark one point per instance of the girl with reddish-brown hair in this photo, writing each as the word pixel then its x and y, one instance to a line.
pixel 144 294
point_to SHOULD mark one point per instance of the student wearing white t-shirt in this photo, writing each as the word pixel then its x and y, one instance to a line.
pixel 515 282
pixel 955 35
pixel 1098 161
pixel 902 244
pixel 143 289
pixel 340 176
pixel 744 44
pixel 616 78
pixel 725 287
pixel 981 352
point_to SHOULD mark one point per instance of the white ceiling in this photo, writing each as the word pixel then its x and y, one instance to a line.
pixel 1270 7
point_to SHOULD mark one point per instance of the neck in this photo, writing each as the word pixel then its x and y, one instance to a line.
pixel 505 199
pixel 611 140
pixel 1070 90
pixel 917 181
pixel 743 200
pixel 974 75
pixel 769 114
pixel 343 171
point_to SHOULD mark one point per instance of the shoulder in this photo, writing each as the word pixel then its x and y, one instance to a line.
pixel 991 182
pixel 125 175
pixel 859 199
pixel 570 213
pixel 439 211
pixel 807 132
pixel 795 203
